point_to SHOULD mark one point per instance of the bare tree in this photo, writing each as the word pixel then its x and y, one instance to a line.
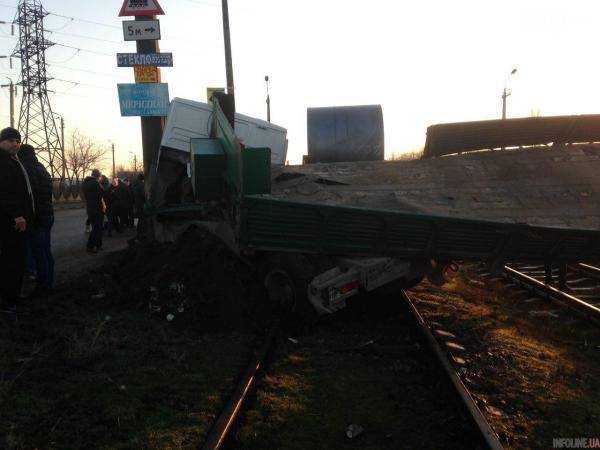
pixel 83 155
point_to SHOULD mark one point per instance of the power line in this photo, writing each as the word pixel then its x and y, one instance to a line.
pixel 83 70
pixel 85 20
pixel 77 83
pixel 85 37
pixel 84 50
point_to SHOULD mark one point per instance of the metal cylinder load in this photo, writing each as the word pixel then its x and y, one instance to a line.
pixel 346 133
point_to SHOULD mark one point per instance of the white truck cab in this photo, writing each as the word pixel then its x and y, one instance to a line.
pixel 190 119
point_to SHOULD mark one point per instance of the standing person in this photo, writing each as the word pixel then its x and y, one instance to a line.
pixel 16 212
pixel 41 229
pixel 94 203
pixel 121 203
pixel 108 202
pixel 130 203
pixel 139 199
pixel 115 206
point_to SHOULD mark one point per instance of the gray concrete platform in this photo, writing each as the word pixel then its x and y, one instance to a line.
pixel 548 186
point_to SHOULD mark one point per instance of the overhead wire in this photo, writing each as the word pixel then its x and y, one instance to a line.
pixel 78 83
pixel 83 49
pixel 85 37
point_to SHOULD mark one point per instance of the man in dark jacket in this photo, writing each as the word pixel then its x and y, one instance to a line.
pixel 41 230
pixel 92 193
pixel 139 199
pixel 16 213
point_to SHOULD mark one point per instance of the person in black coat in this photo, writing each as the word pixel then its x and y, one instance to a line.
pixel 16 214
pixel 121 205
pixel 41 230
pixel 93 195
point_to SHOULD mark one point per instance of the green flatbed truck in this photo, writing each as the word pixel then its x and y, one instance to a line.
pixel 318 254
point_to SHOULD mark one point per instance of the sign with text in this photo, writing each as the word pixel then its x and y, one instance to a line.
pixel 141 8
pixel 211 90
pixel 151 59
pixel 141 30
pixel 145 100
pixel 146 74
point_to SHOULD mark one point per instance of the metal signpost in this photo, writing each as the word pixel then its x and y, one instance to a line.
pixel 150 59
pixel 141 30
pixel 148 98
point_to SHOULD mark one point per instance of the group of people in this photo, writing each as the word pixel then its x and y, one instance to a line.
pixel 26 220
pixel 112 206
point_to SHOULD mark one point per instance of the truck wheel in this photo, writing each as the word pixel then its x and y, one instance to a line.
pixel 286 279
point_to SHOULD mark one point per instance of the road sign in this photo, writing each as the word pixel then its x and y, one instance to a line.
pixel 146 74
pixel 141 8
pixel 211 90
pixel 146 100
pixel 151 59
pixel 141 30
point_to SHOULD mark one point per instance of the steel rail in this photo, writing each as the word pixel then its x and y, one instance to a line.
pixel 588 270
pixel 488 434
pixel 221 428
pixel 551 292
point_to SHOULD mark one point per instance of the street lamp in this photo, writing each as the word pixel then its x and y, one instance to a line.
pixel 268 100
pixel 506 93
pixel 135 167
pixel 112 146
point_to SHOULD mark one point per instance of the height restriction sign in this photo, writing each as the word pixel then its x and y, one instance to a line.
pixel 141 8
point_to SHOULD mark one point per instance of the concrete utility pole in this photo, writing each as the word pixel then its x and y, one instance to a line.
pixel 268 100
pixel 152 127
pixel 12 90
pixel 228 57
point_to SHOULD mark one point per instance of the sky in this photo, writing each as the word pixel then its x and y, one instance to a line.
pixel 425 62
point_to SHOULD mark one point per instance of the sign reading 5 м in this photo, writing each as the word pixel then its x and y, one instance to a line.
pixel 141 30
pixel 146 100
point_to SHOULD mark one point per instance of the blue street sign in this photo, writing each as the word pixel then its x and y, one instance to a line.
pixel 144 99
pixel 140 59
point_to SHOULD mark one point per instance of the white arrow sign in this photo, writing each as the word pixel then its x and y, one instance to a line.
pixel 141 30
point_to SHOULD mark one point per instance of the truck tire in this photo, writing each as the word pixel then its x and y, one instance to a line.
pixel 286 278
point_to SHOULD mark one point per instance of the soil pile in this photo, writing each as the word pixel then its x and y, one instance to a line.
pixel 197 278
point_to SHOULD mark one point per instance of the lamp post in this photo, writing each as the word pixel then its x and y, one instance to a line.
pixel 135 167
pixel 112 147
pixel 506 93
pixel 268 100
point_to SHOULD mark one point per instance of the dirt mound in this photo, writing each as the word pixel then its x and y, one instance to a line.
pixel 195 279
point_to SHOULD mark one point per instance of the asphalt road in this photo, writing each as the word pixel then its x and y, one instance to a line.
pixel 69 243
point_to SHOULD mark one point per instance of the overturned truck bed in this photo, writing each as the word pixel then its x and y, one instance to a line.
pixel 537 204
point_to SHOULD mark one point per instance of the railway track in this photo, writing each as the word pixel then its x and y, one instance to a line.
pixel 435 340
pixel 575 286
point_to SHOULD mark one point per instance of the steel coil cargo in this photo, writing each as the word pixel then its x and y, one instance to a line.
pixel 347 133
pixel 446 139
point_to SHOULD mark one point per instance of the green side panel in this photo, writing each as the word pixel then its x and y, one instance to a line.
pixel 256 163
pixel 279 225
pixel 208 162
pixel 225 134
